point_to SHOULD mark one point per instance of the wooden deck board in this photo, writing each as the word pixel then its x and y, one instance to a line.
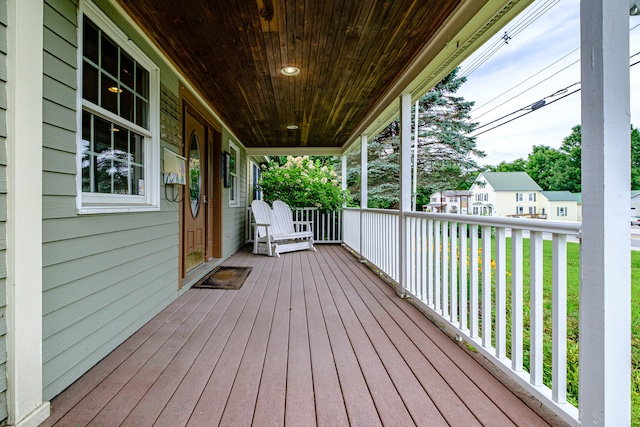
pixel 300 407
pixel 310 339
pixel 447 402
pixel 476 387
pixel 330 408
pixel 270 405
pixel 357 398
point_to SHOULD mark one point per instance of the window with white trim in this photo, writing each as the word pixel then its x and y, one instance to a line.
pixel 519 197
pixel 519 210
pixel 234 158
pixel 118 168
pixel 562 211
pixel 532 197
pixel 532 210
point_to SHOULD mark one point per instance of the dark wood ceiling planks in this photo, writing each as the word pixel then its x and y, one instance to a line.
pixel 349 52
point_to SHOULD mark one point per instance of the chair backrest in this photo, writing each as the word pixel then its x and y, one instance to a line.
pixel 283 217
pixel 261 214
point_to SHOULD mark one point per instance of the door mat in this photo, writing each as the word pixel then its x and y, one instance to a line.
pixel 224 277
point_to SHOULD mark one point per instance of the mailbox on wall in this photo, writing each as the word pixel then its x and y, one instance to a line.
pixel 175 172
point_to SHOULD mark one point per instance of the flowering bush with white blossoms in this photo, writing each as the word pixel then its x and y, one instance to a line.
pixel 303 183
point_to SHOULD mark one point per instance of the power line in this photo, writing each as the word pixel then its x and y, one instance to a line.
pixel 534 106
pixel 537 105
pixel 523 22
pixel 525 80
pixel 533 75
pixel 528 112
pixel 527 90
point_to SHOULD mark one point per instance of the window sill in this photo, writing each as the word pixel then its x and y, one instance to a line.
pixel 104 209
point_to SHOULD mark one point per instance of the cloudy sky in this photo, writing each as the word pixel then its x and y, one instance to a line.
pixel 541 58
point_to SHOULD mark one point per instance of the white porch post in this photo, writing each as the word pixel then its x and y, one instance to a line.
pixel 364 186
pixel 344 171
pixel 405 185
pixel 605 296
pixel 24 213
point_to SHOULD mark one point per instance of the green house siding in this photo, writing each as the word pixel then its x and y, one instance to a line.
pixel 104 276
pixel 3 208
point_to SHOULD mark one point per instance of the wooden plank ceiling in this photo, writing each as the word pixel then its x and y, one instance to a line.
pixel 349 53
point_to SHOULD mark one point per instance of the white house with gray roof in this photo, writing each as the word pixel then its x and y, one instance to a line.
pixel 561 206
pixel 506 194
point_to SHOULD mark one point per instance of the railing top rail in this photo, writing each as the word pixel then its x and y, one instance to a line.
pixel 383 211
pixel 564 227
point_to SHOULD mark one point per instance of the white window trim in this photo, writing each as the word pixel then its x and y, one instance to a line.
pixel 235 188
pixel 97 203
pixel 250 166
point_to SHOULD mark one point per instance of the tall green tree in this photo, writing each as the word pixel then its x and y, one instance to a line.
pixel 446 152
pixel 542 165
pixel 518 165
pixel 561 169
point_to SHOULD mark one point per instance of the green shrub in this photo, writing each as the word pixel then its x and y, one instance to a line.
pixel 303 183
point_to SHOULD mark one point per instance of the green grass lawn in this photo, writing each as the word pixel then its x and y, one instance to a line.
pixel 573 299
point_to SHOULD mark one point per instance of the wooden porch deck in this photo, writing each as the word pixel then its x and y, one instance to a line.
pixel 310 339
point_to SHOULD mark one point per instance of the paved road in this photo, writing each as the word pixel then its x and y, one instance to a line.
pixel 635 238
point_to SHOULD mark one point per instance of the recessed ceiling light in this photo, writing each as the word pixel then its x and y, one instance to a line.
pixel 292 127
pixel 114 89
pixel 290 71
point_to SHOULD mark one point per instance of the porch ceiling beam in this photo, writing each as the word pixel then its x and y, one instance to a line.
pixel 468 28
pixel 293 151
pixel 605 267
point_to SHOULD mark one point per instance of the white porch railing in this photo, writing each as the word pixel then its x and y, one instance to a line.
pixel 457 268
pixel 327 226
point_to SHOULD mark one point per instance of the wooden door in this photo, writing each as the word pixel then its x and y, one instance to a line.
pixel 201 212
pixel 195 198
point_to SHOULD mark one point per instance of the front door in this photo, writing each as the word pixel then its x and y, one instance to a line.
pixel 201 211
pixel 195 198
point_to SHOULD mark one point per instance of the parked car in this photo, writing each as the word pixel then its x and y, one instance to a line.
pixel 635 220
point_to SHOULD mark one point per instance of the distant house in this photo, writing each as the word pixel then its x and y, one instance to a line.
pixel 560 206
pixel 449 201
pixel 506 194
pixel 578 197
pixel 635 202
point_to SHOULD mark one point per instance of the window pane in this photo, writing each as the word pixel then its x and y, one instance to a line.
pixel 109 57
pixel 232 160
pixel 126 104
pixel 120 142
pixel 142 108
pixel 136 148
pixel 142 82
pixel 90 82
pixel 86 172
pixel 120 172
pixel 109 93
pixel 126 69
pixel 101 136
pixel 137 180
pixel 101 173
pixel 90 42
pixel 86 154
